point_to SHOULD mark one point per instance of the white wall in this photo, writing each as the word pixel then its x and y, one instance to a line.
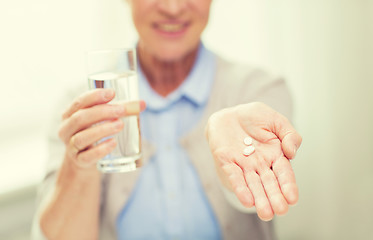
pixel 323 48
pixel 42 52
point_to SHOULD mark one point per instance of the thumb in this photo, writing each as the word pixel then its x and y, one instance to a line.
pixel 290 144
pixel 289 137
pixel 135 107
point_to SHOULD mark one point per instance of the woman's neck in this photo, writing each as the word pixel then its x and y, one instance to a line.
pixel 165 76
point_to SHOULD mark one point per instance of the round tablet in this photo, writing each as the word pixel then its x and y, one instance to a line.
pixel 248 141
pixel 248 150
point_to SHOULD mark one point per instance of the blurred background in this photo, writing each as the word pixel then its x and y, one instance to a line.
pixel 324 49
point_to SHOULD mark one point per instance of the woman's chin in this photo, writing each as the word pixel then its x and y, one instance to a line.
pixel 170 52
pixel 172 55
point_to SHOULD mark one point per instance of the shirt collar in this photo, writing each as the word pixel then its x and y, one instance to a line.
pixel 195 88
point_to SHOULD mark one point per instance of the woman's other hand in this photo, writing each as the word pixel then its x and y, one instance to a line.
pixel 264 178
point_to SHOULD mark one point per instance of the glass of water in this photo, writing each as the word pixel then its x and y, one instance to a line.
pixel 116 69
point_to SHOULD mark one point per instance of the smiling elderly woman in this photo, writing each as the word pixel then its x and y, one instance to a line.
pixel 188 188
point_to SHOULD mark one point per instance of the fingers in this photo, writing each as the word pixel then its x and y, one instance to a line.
pixel 89 99
pixel 273 189
pixel 290 144
pixel 286 179
pixel 262 204
pixel 81 149
pixel 85 118
pixel 274 194
pixel 289 137
pixel 238 183
pixel 86 138
pixel 89 157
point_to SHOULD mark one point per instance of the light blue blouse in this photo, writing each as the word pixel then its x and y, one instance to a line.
pixel 168 201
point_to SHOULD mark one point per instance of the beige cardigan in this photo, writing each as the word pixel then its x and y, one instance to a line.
pixel 234 84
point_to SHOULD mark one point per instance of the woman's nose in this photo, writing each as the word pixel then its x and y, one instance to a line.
pixel 172 7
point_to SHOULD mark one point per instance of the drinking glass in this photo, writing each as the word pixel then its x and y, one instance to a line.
pixel 116 69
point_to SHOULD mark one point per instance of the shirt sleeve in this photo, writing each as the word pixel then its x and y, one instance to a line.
pixel 44 194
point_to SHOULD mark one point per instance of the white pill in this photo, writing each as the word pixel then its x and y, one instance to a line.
pixel 248 141
pixel 248 150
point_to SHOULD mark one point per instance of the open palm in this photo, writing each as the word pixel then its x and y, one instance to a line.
pixel 265 178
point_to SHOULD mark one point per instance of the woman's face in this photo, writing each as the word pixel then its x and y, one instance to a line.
pixel 169 29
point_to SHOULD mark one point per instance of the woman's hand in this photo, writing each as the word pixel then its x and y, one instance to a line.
pixel 87 120
pixel 78 186
pixel 265 178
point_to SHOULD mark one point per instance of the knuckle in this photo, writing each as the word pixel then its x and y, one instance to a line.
pixel 97 94
pixel 82 158
pixel 258 105
pixel 266 176
pixel 286 175
pixel 103 150
pixel 107 128
pixel 100 151
pixel 249 166
pixel 61 133
pixel 229 169
pixel 239 190
pixel 77 104
pixel 77 119
pixel 221 154
pixel 234 181
pixel 232 178
pixel 78 141
pixel 83 161
pixel 115 126
pixel 117 111
pixel 69 154
pixel 254 183
pixel 261 165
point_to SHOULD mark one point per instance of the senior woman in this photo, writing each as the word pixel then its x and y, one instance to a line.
pixel 179 193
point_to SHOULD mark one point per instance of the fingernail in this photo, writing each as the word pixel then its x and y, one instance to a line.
pixel 132 108
pixel 295 149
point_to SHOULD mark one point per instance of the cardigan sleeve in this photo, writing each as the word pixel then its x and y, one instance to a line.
pixel 56 151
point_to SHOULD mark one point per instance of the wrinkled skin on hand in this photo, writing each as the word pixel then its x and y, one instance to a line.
pixel 265 178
